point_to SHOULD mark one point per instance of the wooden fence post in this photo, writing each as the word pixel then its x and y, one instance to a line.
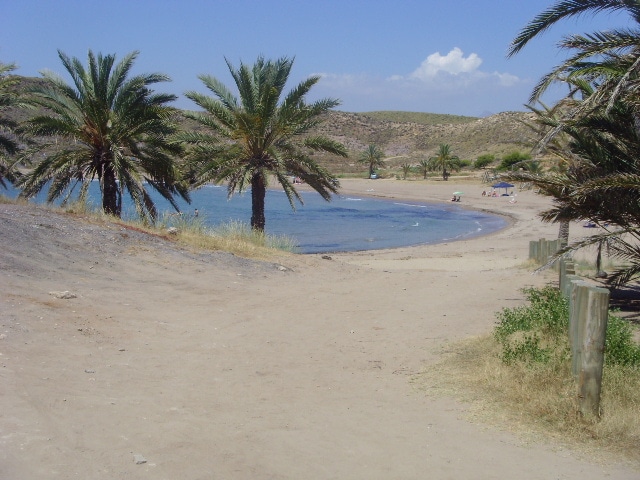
pixel 533 250
pixel 542 251
pixel 553 248
pixel 576 292
pixel 596 309
pixel 567 267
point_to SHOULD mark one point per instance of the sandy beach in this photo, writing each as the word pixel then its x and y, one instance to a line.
pixel 168 363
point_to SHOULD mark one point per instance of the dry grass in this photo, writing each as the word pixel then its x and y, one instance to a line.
pixel 240 244
pixel 234 237
pixel 540 401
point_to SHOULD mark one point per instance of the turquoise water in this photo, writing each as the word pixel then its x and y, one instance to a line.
pixel 347 223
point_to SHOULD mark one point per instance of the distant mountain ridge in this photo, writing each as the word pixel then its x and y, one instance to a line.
pixel 408 137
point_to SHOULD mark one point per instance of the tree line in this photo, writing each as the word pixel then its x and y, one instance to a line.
pixel 117 130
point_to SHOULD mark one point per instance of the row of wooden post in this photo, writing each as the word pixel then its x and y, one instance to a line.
pixel 588 315
pixel 541 250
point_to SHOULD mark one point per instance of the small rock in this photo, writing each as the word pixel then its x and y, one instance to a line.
pixel 66 295
pixel 89 371
pixel 282 268
pixel 139 459
pixel 172 231
pixel 326 257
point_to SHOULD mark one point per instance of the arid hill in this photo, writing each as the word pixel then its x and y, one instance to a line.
pixel 412 141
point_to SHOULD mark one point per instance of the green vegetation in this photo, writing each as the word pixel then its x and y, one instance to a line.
pixel 406 169
pixel 592 132
pixel 484 161
pixel 117 131
pixel 513 160
pixel 419 117
pixel 247 139
pixel 537 332
pixel 372 157
pixel 444 161
pixel 8 140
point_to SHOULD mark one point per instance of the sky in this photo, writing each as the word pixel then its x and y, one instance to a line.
pixel 435 56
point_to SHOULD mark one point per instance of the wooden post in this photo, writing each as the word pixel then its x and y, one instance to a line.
pixel 567 286
pixel 533 250
pixel 542 251
pixel 596 311
pixel 553 248
pixel 567 267
pixel 576 291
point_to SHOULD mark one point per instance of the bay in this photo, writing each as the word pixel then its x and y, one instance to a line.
pixel 347 223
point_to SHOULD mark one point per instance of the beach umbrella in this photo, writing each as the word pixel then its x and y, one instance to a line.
pixel 458 193
pixel 504 185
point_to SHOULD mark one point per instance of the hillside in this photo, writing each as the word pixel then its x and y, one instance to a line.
pixel 410 141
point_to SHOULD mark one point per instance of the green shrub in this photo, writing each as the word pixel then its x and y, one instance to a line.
pixel 619 347
pixel 512 159
pixel 538 332
pixel 484 161
pixel 547 312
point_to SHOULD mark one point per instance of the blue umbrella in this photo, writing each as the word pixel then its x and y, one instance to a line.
pixel 504 185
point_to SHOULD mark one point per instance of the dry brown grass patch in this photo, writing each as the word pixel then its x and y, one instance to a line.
pixel 538 402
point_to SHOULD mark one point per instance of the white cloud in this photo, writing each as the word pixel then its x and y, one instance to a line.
pixel 506 79
pixel 451 83
pixel 453 63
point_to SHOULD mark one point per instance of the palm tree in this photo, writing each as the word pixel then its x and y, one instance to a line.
pixel 601 183
pixel 372 157
pixel 8 140
pixel 599 180
pixel 424 167
pixel 406 169
pixel 259 134
pixel 444 160
pixel 611 57
pixel 117 130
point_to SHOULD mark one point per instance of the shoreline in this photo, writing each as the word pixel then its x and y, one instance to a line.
pixel 416 191
pixel 480 251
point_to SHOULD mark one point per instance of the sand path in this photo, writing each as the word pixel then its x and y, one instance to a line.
pixel 206 366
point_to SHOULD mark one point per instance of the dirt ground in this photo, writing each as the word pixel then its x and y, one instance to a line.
pixel 167 364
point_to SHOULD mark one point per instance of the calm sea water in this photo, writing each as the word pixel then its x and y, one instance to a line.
pixel 347 223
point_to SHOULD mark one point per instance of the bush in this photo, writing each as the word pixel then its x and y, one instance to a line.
pixel 619 347
pixel 513 158
pixel 484 161
pixel 537 332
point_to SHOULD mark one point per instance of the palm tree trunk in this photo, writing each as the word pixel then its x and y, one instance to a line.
pixel 258 192
pixel 109 191
pixel 563 233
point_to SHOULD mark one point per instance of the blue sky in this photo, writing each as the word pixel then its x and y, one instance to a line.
pixel 427 56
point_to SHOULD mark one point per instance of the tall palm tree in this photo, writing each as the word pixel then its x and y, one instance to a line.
pixel 444 160
pixel 261 134
pixel 116 130
pixel 611 57
pixel 372 157
pixel 424 167
pixel 600 181
pixel 406 169
pixel 8 140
